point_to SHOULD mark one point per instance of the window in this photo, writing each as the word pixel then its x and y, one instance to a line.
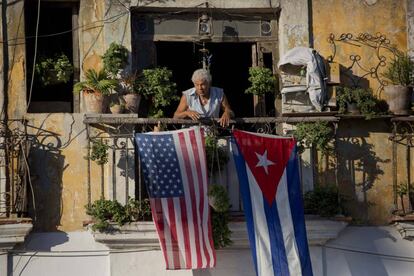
pixel 55 38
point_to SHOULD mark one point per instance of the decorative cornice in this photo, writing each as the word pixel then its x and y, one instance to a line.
pixel 12 233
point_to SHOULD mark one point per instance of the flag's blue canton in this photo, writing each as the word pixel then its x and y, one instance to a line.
pixel 160 165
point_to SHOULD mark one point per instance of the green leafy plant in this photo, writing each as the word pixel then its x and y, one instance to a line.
pixel 157 86
pixel 115 58
pixel 104 212
pixel 216 156
pixel 400 70
pixel 99 152
pixel 402 190
pixel 218 198
pixel 318 134
pixel 323 201
pixel 96 81
pixel 366 102
pixel 262 81
pixel 220 202
pixel 53 70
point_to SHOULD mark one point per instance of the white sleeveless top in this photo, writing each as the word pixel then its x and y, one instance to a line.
pixel 209 110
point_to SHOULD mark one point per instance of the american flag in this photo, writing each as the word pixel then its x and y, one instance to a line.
pixel 175 173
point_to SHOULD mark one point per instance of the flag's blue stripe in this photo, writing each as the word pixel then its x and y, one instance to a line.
pixel 245 193
pixel 296 207
pixel 277 244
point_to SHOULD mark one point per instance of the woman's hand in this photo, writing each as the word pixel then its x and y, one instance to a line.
pixel 192 115
pixel 225 119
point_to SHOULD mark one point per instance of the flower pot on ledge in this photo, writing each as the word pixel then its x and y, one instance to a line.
pixel 398 98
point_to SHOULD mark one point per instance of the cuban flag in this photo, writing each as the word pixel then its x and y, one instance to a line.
pixel 175 173
pixel 268 172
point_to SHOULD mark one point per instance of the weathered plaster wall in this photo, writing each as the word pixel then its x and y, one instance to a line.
pixel 356 17
pixel 365 167
pixel 59 170
pixel 16 60
pixel 293 25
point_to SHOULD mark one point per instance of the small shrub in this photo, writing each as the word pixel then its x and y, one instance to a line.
pixel 323 201
pixel 106 211
pixel 366 102
pixel 400 70
pixel 318 134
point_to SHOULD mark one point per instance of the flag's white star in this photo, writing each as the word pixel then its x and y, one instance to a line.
pixel 263 161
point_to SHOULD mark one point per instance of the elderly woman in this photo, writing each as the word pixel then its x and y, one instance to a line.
pixel 204 100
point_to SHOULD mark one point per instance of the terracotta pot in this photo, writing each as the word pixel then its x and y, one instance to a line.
pixel 95 102
pixel 132 102
pixel 398 98
pixel 352 108
pixel 116 109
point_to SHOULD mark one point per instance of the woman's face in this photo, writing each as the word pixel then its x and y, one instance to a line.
pixel 202 87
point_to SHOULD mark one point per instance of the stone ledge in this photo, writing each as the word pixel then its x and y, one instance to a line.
pixel 14 232
pixel 404 225
pixel 143 234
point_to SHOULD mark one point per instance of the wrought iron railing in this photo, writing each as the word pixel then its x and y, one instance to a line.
pixel 14 151
pixel 120 177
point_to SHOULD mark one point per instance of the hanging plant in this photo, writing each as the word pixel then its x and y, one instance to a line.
pixel 262 81
pixel 216 156
pixel 317 134
pixel 54 70
pixel 99 152
pixel 220 202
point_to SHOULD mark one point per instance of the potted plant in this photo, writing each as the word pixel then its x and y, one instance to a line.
pixel 129 87
pixel 358 101
pixel 116 107
pixel 115 59
pixel 95 88
pixel 324 201
pixel 54 70
pixel 398 94
pixel 156 85
pixel 262 81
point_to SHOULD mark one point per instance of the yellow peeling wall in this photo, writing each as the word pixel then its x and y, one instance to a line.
pixel 365 152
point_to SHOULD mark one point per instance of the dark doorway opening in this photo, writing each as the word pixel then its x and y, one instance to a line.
pixel 229 67
pixel 54 39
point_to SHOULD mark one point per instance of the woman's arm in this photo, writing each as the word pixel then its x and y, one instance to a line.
pixel 182 111
pixel 227 112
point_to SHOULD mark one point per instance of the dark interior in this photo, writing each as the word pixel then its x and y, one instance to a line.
pixel 229 68
pixel 54 37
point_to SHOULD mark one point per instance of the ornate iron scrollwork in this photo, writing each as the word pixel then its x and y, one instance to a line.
pixel 377 42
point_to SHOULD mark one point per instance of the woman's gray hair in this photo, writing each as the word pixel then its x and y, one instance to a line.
pixel 201 74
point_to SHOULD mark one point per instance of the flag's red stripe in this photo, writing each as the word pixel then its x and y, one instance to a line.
pixel 192 196
pixel 174 236
pixel 201 185
pixel 186 233
pixel 157 216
